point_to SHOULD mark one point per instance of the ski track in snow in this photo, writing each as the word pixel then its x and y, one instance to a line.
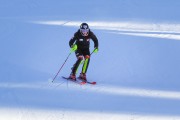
pixel 40 114
pixel 145 37
pixel 167 31
pixel 35 114
pixel 158 30
pixel 105 89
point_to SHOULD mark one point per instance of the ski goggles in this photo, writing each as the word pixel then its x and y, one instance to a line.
pixel 85 32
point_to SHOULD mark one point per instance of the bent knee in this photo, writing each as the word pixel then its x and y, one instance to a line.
pixel 80 57
pixel 87 57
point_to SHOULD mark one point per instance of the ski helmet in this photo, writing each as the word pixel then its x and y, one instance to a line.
pixel 84 29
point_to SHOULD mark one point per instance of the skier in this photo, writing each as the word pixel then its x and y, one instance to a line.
pixel 80 43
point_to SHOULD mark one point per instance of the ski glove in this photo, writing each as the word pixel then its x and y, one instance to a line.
pixel 96 50
pixel 73 48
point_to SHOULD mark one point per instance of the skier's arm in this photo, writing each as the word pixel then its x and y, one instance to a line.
pixel 95 40
pixel 72 40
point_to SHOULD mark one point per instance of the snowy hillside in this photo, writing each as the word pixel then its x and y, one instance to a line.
pixel 136 69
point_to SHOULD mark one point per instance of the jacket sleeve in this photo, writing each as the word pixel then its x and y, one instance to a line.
pixel 95 40
pixel 72 40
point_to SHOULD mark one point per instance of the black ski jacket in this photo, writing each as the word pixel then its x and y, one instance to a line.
pixel 83 42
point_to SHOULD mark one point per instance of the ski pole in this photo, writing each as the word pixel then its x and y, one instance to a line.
pixel 92 52
pixel 61 67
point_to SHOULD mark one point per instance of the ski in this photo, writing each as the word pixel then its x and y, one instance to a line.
pixel 86 81
pixel 75 81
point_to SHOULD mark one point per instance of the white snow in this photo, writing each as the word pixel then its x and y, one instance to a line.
pixel 136 69
pixel 35 114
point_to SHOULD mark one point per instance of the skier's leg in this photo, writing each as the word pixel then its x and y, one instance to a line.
pixel 76 65
pixel 86 54
pixel 85 67
pixel 86 64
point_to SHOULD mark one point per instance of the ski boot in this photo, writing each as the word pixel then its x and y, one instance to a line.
pixel 72 76
pixel 83 76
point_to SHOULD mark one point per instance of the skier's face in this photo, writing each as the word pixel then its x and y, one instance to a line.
pixel 84 32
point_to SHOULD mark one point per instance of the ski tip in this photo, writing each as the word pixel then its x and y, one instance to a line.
pixel 65 77
pixel 93 83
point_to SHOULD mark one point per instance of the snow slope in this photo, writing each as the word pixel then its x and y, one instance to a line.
pixel 136 69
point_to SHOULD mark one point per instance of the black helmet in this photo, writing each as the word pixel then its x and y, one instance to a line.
pixel 84 29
